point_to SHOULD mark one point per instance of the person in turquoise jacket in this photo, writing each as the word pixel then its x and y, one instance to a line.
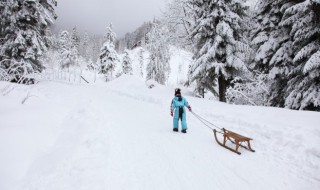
pixel 178 111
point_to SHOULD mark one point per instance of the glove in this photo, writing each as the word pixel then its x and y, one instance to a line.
pixel 171 113
pixel 189 108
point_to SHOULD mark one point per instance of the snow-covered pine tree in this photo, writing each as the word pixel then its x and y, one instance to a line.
pixel 303 89
pixel 110 36
pixel 68 53
pixel 127 63
pixel 23 28
pixel 64 40
pixel 273 46
pixel 267 36
pixel 75 38
pixel 141 59
pixel 158 67
pixel 85 46
pixel 219 34
pixel 108 56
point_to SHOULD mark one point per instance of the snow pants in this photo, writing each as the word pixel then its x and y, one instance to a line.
pixel 180 114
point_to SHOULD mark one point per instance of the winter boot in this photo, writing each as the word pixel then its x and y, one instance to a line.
pixel 175 130
pixel 184 131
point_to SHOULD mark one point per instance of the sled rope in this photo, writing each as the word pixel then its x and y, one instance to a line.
pixel 206 122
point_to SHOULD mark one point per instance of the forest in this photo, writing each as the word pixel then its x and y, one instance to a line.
pixel 262 55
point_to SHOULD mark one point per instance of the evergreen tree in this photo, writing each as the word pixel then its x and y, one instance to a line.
pixel 108 56
pixel 127 64
pixel 273 47
pixel 75 38
pixel 85 46
pixel 23 28
pixel 268 36
pixel 68 53
pixel 158 67
pixel 141 61
pixel 110 37
pixel 220 43
pixel 303 89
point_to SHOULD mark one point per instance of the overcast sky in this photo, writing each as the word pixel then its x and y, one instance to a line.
pixel 95 15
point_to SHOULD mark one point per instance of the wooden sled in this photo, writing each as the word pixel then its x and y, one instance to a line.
pixel 235 139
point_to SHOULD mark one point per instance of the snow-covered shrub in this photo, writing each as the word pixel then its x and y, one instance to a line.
pixel 3 75
pixel 254 92
pixel 20 72
pixel 93 66
pixel 151 83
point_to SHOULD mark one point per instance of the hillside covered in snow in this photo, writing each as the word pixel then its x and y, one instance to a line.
pixel 88 90
pixel 118 135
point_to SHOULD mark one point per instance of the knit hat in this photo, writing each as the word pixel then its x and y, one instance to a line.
pixel 177 91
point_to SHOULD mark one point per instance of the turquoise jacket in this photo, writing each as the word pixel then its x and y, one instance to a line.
pixel 178 107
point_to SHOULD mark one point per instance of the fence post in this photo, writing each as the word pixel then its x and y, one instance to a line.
pixel 80 75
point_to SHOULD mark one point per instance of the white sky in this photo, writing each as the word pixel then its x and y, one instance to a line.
pixel 95 15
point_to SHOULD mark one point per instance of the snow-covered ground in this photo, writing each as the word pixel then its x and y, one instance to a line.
pixel 118 135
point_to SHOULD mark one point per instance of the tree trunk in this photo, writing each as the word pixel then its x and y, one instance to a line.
pixel 222 88
pixel 202 92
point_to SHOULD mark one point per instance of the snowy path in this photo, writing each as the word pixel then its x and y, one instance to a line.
pixel 118 136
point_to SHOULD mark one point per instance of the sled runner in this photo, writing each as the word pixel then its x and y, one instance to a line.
pixel 227 135
pixel 235 139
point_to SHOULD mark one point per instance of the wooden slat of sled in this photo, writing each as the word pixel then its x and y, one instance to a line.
pixel 235 139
